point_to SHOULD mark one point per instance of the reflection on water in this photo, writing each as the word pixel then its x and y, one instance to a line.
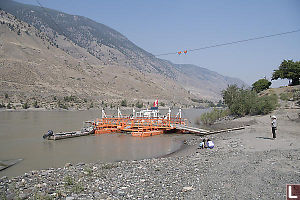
pixel 21 137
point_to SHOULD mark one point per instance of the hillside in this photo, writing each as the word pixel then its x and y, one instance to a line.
pixel 211 83
pixel 62 55
pixel 32 67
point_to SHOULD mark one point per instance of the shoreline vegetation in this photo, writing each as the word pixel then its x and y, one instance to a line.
pixel 242 102
pixel 74 103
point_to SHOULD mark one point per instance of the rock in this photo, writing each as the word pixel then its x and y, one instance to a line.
pixel 24 196
pixel 70 198
pixel 121 193
pixel 10 196
pixel 80 164
pixel 185 189
pixel 44 173
pixel 68 165
pixel 53 194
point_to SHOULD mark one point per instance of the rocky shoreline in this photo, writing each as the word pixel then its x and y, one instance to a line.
pixel 245 164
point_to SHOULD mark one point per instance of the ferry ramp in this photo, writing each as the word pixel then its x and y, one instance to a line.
pixel 191 129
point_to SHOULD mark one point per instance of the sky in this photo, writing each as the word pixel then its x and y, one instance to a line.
pixel 167 26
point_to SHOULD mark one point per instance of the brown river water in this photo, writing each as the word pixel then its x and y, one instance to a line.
pixel 21 137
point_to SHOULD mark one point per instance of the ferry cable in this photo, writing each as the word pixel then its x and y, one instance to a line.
pixel 233 42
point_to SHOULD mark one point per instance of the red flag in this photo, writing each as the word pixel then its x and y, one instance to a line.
pixel 155 104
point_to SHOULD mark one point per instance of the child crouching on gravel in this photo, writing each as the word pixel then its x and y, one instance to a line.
pixel 202 144
pixel 210 144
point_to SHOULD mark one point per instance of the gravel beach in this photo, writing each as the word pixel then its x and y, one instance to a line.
pixel 245 164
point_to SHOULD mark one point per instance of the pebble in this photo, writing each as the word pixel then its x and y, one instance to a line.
pixel 68 165
pixel 185 189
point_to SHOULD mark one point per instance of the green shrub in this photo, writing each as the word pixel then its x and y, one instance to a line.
pixel 211 104
pixel 286 96
pixel 264 105
pixel 139 104
pixel 71 98
pixel 243 102
pixel 35 104
pixel 261 85
pixel 109 166
pixel 296 95
pixel 77 188
pixel 62 105
pixel 124 103
pixel 25 105
pixel 68 180
pixel 211 117
pixel 8 106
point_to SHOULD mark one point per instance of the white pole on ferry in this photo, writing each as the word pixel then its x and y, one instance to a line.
pixel 133 112
pixel 180 113
pixel 103 114
pixel 119 113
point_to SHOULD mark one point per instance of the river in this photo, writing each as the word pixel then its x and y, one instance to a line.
pixel 21 137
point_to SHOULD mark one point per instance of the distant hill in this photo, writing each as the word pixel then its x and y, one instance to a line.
pixel 46 53
pixel 210 82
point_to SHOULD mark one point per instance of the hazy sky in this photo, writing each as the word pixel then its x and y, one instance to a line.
pixel 163 26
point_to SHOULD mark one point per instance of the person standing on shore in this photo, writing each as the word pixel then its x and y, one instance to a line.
pixel 274 126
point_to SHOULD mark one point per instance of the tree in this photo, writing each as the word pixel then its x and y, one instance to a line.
pixel 139 105
pixel 91 105
pixel 261 85
pixel 25 105
pixel 8 106
pixel 288 69
pixel 230 94
pixel 124 103
pixel 35 104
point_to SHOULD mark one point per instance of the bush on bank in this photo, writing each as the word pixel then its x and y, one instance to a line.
pixel 211 117
pixel 243 102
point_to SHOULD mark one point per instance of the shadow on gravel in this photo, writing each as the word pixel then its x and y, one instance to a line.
pixel 266 138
